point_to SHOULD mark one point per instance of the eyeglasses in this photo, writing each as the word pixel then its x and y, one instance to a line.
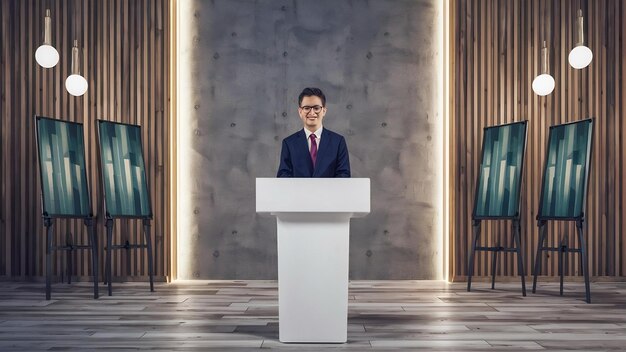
pixel 316 109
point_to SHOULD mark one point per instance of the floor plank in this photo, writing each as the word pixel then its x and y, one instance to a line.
pixel 243 315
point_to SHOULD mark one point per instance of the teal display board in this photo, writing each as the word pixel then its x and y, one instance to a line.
pixel 62 166
pixel 500 172
pixel 123 170
pixel 566 172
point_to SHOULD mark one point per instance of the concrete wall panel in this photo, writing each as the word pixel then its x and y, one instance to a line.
pixel 244 63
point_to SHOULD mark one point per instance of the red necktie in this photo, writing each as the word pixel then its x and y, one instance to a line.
pixel 313 148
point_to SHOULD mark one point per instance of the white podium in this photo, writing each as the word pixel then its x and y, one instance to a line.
pixel 313 216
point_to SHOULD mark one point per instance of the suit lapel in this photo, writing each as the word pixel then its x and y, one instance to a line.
pixel 304 146
pixel 321 149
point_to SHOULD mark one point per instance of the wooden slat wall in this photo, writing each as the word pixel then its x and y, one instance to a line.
pixel 125 58
pixel 496 57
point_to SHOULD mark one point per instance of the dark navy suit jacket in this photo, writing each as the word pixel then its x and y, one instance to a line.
pixel 332 156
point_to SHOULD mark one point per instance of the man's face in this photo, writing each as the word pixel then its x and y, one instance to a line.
pixel 312 112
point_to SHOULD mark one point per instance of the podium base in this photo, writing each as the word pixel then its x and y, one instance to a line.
pixel 313 277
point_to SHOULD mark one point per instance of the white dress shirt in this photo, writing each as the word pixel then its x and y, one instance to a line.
pixel 318 137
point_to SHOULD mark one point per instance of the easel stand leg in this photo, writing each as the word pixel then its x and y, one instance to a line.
pixel 542 238
pixel 109 228
pixel 48 223
pixel 470 264
pixel 146 231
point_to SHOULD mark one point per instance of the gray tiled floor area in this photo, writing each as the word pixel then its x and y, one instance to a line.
pixel 242 315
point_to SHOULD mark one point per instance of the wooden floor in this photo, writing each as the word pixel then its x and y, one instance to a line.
pixel 242 315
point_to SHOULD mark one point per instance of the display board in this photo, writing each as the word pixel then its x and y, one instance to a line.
pixel 61 152
pixel 566 171
pixel 500 172
pixel 123 170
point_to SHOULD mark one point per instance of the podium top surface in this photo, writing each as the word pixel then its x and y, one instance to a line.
pixel 313 195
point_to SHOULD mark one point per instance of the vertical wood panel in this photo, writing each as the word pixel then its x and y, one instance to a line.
pixel 126 63
pixel 497 57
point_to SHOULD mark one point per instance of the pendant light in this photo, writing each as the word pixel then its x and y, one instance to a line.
pixel 580 56
pixel 46 55
pixel 76 84
pixel 544 83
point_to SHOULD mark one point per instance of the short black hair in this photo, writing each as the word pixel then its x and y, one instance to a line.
pixel 308 92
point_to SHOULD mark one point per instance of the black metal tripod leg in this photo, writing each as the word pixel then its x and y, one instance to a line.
pixel 49 231
pixel 109 228
pixel 520 260
pixel 493 269
pixel 542 234
pixel 68 257
pixel 94 255
pixel 146 230
pixel 561 253
pixel 470 264
pixel 583 254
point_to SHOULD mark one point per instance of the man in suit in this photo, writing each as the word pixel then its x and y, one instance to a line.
pixel 313 151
